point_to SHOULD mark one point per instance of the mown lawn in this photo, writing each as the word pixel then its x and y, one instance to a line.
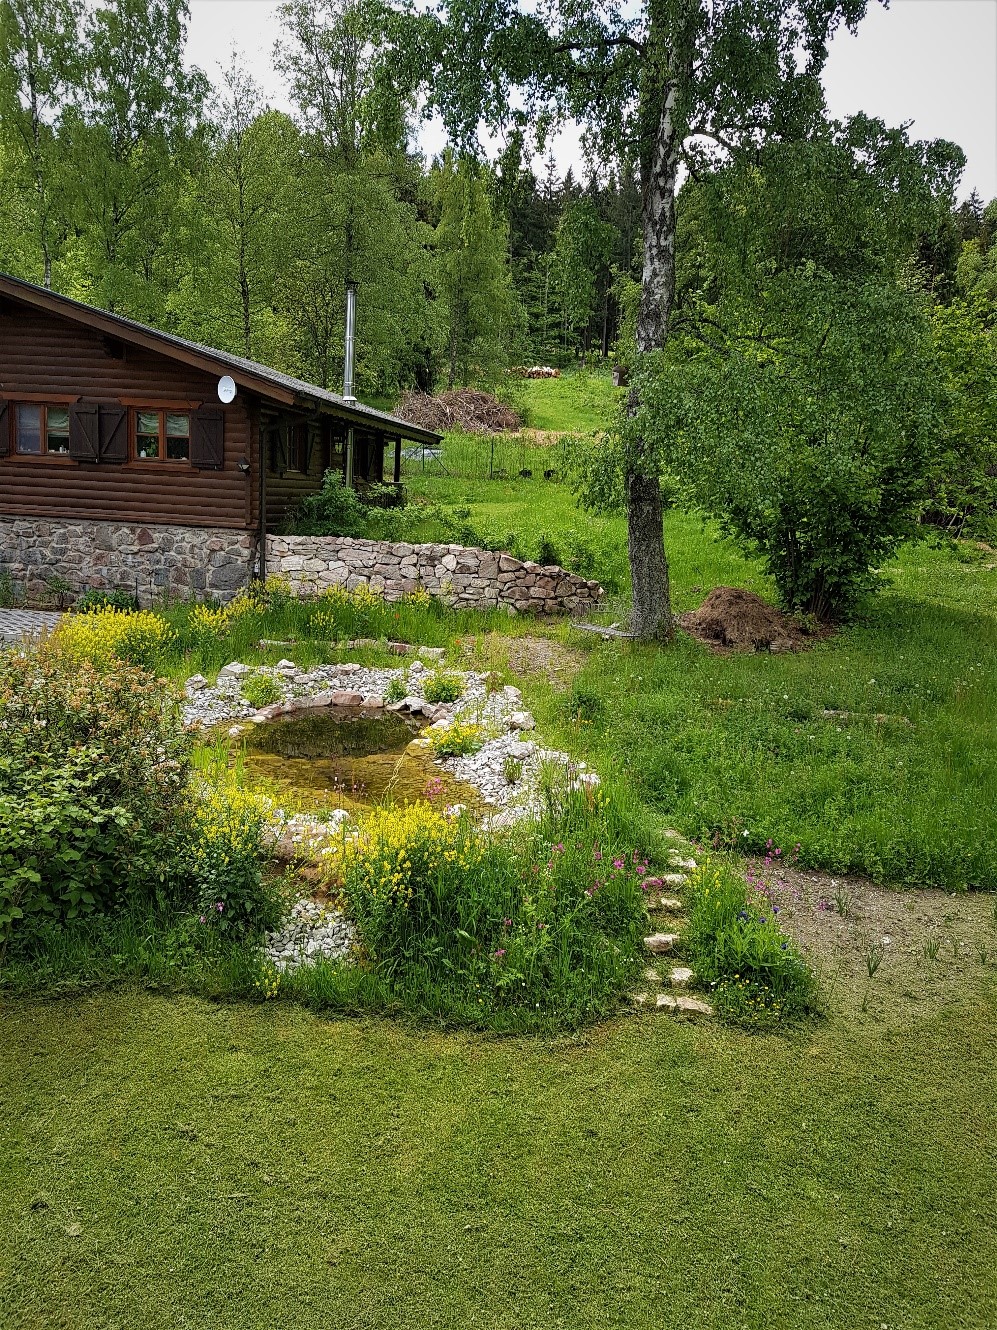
pixel 171 1163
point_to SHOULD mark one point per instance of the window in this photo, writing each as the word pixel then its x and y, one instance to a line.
pixel 298 460
pixel 41 429
pixel 162 436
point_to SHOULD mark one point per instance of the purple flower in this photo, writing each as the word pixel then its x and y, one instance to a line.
pixel 618 864
pixel 500 953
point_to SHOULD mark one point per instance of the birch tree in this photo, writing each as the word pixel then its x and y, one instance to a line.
pixel 675 84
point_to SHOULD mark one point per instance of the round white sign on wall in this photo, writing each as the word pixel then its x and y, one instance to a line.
pixel 226 388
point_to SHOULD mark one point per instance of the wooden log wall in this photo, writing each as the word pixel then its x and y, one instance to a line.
pixel 43 357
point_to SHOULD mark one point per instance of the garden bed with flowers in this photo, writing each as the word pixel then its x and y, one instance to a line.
pixel 506 887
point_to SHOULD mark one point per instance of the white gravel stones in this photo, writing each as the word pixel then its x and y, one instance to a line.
pixel 311 932
pixel 234 670
pixel 680 976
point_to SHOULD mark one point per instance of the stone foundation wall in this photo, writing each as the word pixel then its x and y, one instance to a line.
pixel 461 576
pixel 41 556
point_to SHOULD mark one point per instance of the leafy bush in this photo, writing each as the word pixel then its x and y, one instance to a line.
pixel 814 451
pixel 105 600
pixel 224 859
pixel 442 686
pixel 737 947
pixel 106 636
pixel 489 922
pixel 459 739
pixel 261 690
pixel 395 690
pixel 94 767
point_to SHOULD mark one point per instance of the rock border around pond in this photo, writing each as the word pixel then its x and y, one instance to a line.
pixel 508 727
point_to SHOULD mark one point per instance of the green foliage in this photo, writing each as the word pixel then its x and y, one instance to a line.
pixel 458 739
pixel 481 318
pixel 468 921
pixel 261 690
pixel 736 947
pixel 963 479
pixel 105 600
pixel 225 858
pixel 93 788
pixel 810 447
pixel 395 690
pixel 443 686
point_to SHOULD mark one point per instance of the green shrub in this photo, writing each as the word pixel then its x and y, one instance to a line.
pixel 737 947
pixel 476 923
pixel 395 690
pixel 548 550
pixel 105 600
pixel 459 739
pixel 443 686
pixel 93 787
pixel 261 690
pixel 225 858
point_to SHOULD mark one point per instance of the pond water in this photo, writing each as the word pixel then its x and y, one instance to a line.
pixel 337 757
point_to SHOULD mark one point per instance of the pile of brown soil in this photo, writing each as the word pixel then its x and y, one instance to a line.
pixel 735 620
pixel 462 409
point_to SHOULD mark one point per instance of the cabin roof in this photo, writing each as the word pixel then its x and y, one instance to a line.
pixel 250 374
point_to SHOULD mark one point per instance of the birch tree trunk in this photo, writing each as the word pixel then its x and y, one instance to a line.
pixel 652 606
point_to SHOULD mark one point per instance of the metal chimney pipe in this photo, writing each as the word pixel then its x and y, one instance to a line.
pixel 351 330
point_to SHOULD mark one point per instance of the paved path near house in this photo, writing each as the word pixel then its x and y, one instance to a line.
pixel 16 625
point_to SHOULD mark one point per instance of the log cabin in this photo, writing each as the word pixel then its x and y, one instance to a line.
pixel 135 460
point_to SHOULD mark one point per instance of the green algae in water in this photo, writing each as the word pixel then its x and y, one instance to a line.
pixel 332 732
pixel 340 758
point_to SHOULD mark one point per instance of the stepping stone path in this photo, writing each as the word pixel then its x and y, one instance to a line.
pixel 662 944
pixel 20 625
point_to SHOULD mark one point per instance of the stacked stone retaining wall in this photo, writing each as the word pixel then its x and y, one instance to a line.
pixel 457 574
pixel 52 561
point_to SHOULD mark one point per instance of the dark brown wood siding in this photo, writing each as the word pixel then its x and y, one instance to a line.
pixel 42 356
pixel 286 483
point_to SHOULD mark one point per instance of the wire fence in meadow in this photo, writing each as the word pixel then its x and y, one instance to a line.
pixel 531 455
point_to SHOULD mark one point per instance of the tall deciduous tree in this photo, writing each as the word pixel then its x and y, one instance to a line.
pixel 39 72
pixel 479 311
pixel 681 80
pixel 137 128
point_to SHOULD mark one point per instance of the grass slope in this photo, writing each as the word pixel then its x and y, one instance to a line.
pixel 177 1164
pixel 579 400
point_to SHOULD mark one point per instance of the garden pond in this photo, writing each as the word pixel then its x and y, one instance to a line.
pixel 342 757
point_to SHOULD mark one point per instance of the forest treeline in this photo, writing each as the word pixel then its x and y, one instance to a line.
pixel 809 259
pixel 132 182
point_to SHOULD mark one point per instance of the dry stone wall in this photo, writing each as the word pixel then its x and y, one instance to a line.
pixel 52 561
pixel 458 574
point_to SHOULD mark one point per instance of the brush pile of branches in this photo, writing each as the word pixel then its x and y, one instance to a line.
pixel 463 409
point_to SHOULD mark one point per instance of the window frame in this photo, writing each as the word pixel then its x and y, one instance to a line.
pixel 161 411
pixel 43 454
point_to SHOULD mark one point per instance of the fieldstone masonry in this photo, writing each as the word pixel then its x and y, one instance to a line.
pixel 45 556
pixel 461 576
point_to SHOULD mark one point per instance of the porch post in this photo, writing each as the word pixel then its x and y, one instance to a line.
pixel 397 469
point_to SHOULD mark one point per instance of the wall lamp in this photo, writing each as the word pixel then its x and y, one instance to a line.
pixel 243 465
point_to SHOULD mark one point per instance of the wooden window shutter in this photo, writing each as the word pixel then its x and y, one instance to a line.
pixel 113 434
pixel 83 434
pixel 4 429
pixel 207 438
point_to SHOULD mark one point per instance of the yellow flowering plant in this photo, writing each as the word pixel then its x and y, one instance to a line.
pixel 107 636
pixel 225 860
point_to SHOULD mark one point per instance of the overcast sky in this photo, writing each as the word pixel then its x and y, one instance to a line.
pixel 933 62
